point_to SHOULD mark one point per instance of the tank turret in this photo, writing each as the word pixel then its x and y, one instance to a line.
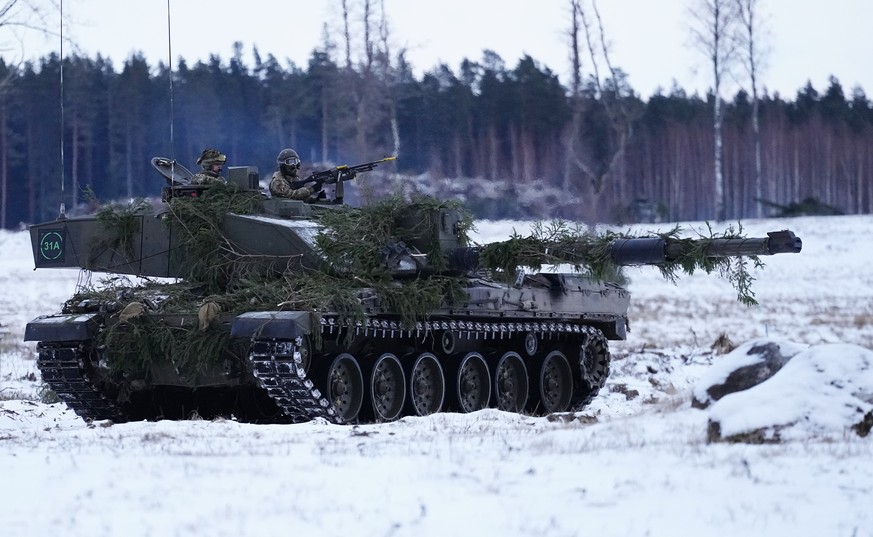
pixel 275 310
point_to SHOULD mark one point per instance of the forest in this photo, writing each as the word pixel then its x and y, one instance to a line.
pixel 597 152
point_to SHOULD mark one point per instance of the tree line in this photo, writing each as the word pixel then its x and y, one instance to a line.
pixel 483 123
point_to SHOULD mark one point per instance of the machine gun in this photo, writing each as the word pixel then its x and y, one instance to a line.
pixel 337 176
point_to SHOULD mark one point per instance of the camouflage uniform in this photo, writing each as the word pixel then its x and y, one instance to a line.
pixel 204 178
pixel 280 183
pixel 207 175
pixel 280 187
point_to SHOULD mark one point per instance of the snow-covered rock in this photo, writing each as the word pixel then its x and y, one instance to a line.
pixel 748 365
pixel 824 392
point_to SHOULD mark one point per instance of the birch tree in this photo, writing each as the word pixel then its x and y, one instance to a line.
pixel 389 75
pixel 713 24
pixel 749 37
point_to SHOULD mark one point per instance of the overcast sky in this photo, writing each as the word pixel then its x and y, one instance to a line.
pixel 649 39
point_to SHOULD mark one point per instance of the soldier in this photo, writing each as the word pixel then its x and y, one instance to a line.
pixel 211 160
pixel 280 183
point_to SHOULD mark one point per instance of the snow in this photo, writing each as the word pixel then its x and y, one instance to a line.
pixel 636 462
pixel 821 391
pixel 719 372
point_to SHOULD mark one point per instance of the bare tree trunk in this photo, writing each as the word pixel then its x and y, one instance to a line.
pixel 610 98
pixel 74 175
pixel 32 180
pixel 718 192
pixel 362 119
pixel 748 15
pixel 756 135
pixel 128 162
pixel 324 130
pixel 347 35
pixel 528 155
pixel 387 79
pixel 458 157
pixel 4 162
pixel 620 120
pixel 494 156
pixel 712 31
pixel 575 96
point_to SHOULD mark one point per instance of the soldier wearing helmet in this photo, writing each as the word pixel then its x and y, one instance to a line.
pixel 280 184
pixel 211 161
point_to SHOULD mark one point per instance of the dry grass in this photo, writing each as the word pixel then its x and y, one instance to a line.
pixel 18 371
pixel 863 320
pixel 9 394
pixel 10 344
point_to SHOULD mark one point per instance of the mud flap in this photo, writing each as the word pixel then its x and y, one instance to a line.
pixel 272 324
pixel 74 327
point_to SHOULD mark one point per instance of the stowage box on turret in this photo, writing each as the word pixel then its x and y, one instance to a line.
pixel 271 310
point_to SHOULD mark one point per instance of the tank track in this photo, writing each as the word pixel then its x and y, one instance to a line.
pixel 276 363
pixel 63 368
pixel 277 366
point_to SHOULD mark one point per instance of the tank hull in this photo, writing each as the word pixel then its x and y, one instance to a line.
pixel 540 347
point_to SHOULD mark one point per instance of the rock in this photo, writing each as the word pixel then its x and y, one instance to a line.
pixel 863 427
pixel 824 392
pixel 748 365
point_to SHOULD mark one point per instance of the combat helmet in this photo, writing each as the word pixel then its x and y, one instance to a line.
pixel 210 157
pixel 288 161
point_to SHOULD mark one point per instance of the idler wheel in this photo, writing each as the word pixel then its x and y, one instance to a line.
pixel 343 385
pixel 592 370
pixel 510 383
pixel 472 383
pixel 427 385
pixel 555 383
pixel 387 388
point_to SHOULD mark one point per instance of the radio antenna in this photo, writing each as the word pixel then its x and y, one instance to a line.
pixel 63 212
pixel 170 74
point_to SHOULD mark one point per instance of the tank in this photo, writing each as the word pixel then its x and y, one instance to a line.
pixel 223 302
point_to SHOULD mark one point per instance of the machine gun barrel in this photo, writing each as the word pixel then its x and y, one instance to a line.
pixel 339 174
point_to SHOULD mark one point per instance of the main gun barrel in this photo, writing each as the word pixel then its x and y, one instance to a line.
pixel 646 250
pixel 656 250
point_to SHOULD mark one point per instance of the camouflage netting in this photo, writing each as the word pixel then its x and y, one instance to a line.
pixel 120 223
pixel 141 341
pixel 558 243
pixel 554 243
pixel 733 269
pixel 211 259
pixel 218 274
pixel 221 280
pixel 353 240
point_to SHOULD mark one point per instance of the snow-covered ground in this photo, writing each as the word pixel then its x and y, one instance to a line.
pixel 636 462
